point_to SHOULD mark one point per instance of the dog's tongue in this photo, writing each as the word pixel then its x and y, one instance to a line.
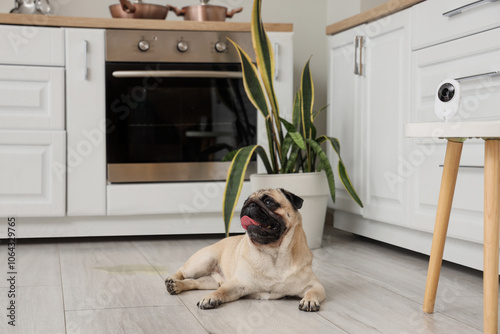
pixel 247 221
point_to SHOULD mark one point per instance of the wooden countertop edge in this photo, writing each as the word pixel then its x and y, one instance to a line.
pixel 388 8
pixel 111 23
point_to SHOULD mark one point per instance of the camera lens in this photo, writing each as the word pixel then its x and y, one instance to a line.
pixel 446 92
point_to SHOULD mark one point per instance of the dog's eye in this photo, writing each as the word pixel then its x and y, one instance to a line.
pixel 268 202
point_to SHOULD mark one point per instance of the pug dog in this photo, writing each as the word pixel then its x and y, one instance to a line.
pixel 270 261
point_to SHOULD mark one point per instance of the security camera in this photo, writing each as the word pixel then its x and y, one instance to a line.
pixel 447 99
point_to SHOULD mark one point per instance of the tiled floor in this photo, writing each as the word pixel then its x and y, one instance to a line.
pixel 117 286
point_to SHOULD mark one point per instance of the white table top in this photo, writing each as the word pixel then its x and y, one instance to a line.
pixel 484 129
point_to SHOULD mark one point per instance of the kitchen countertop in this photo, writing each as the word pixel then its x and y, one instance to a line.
pixel 388 8
pixel 111 23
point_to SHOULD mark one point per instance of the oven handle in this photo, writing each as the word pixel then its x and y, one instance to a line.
pixel 179 74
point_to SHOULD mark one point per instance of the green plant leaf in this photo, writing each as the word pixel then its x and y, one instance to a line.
pixel 292 132
pixel 266 66
pixel 316 113
pixel 292 159
pixel 251 82
pixel 270 140
pixel 264 53
pixel 235 178
pixel 307 89
pixel 297 114
pixel 325 164
pixel 285 147
pixel 344 177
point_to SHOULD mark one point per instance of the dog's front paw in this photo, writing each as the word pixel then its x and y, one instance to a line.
pixel 209 302
pixel 309 305
pixel 171 285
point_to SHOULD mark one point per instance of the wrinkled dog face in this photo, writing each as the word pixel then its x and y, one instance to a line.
pixel 269 213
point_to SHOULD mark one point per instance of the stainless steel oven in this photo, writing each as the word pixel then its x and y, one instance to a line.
pixel 175 104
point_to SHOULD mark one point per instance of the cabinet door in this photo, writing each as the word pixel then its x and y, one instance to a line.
pixel 31 98
pixel 31 45
pixel 384 113
pixel 86 121
pixel 32 173
pixel 344 114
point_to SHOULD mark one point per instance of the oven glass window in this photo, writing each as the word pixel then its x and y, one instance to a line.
pixel 176 119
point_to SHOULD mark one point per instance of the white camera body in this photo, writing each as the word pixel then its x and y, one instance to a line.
pixel 447 100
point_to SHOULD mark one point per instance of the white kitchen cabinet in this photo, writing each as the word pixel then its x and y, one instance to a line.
pixel 31 97
pixel 404 60
pixel 435 22
pixel 32 129
pixel 385 112
pixel 86 121
pixel 344 113
pixel 31 45
pixel 367 114
pixel 32 173
pixel 465 57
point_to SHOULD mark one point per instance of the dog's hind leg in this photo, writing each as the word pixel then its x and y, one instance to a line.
pixel 203 283
pixel 196 273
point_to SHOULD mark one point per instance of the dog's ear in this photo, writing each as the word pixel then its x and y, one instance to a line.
pixel 294 199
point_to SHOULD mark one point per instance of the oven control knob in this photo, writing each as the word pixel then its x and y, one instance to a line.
pixel 220 46
pixel 182 46
pixel 143 45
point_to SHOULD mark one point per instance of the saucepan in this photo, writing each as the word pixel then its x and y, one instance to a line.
pixel 138 10
pixel 204 12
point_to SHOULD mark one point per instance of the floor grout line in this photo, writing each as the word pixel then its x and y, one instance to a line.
pixel 62 288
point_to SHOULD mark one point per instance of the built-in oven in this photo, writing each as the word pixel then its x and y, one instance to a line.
pixel 175 105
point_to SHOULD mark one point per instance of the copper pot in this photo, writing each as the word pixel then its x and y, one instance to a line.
pixel 138 10
pixel 204 12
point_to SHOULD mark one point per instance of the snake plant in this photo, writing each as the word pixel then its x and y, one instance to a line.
pixel 295 150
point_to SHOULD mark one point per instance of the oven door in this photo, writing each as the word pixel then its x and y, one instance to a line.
pixel 175 122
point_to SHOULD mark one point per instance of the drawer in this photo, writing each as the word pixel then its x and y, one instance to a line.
pixel 431 27
pixel 31 45
pixel 464 57
pixel 32 173
pixel 31 97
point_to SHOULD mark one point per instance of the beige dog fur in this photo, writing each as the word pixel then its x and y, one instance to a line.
pixel 241 267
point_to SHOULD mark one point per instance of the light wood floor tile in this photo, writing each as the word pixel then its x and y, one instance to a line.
pixel 110 275
pixel 38 310
pixel 360 306
pixel 110 286
pixel 36 264
pixel 148 320
pixel 257 316
pixel 170 254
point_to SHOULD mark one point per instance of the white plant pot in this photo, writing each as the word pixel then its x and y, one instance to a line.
pixel 312 188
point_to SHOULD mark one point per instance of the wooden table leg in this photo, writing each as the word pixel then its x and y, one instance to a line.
pixel 448 181
pixel 491 234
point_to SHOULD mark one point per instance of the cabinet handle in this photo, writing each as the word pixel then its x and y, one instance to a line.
pixel 459 10
pixel 178 74
pixel 356 44
pixel 86 56
pixel 358 55
pixel 276 61
pixel 361 42
pixel 477 76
